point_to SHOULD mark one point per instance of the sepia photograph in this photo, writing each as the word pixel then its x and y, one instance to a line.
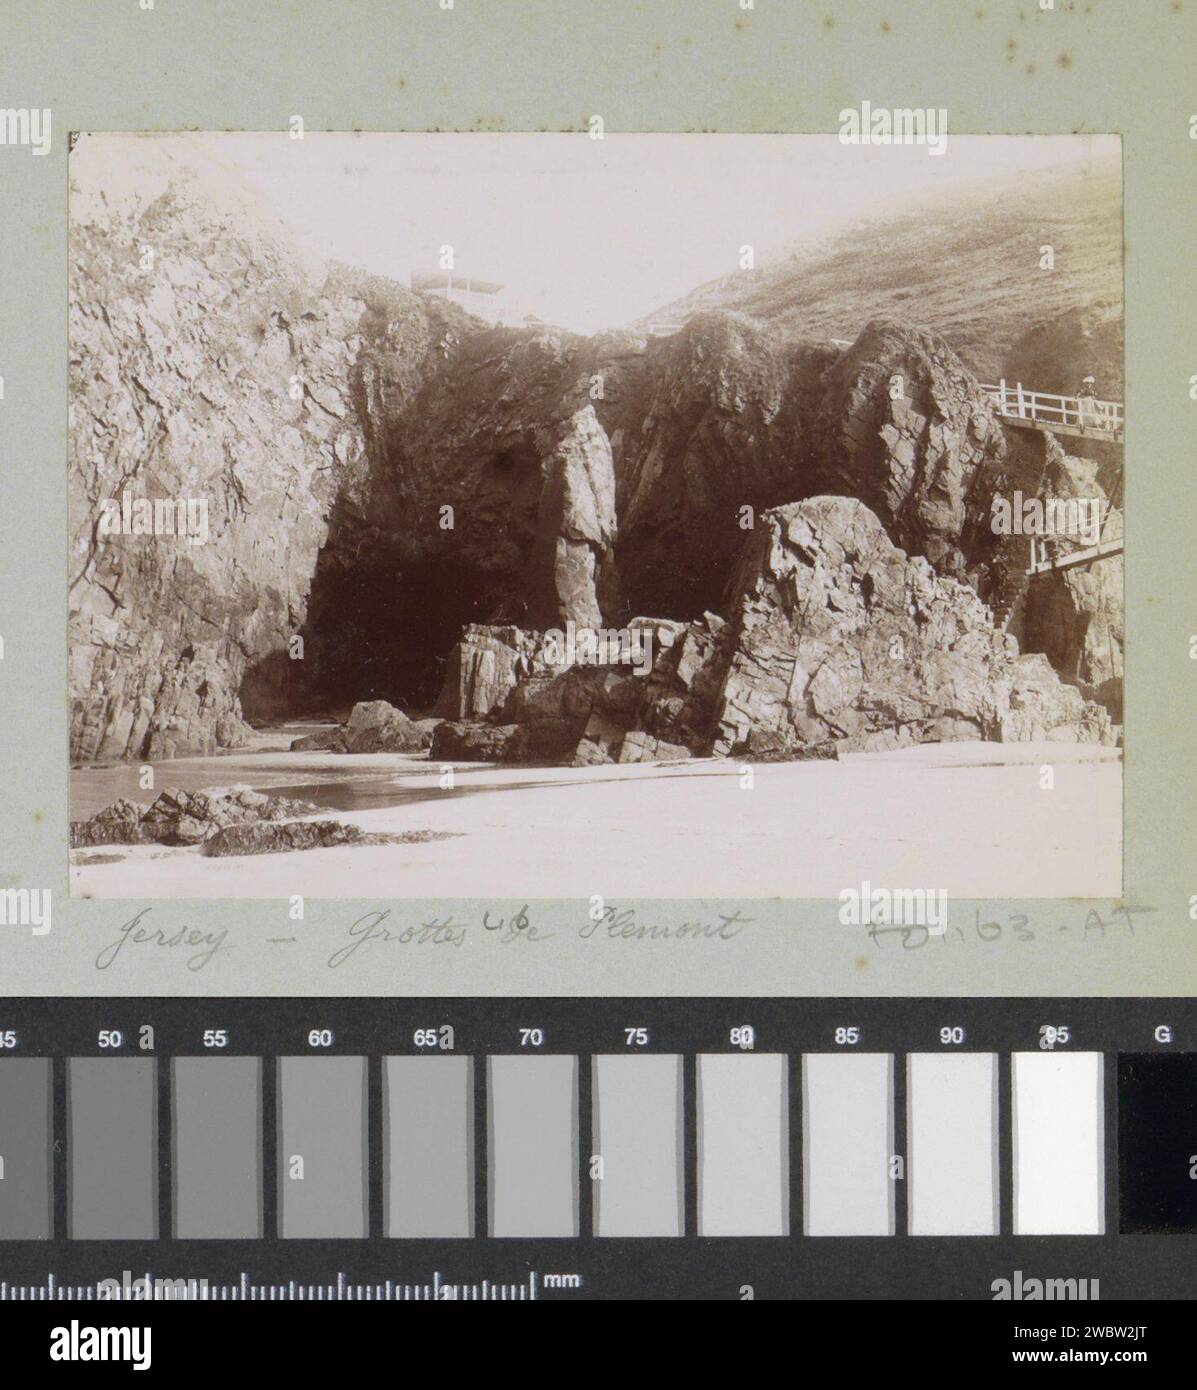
pixel 552 515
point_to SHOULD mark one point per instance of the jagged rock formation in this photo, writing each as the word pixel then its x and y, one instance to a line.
pixel 575 525
pixel 384 475
pixel 214 371
pixel 839 636
pixel 837 641
pixel 307 834
pixel 1075 616
pixel 907 430
pixel 550 709
pixel 719 430
pixel 484 667
pixel 225 821
pixel 490 498
pixel 183 818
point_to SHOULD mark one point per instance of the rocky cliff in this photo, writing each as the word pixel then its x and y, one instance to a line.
pixel 379 472
pixel 835 641
pixel 204 369
pixel 1076 616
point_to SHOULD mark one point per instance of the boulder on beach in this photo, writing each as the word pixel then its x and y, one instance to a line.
pixel 183 818
pixel 378 727
pixel 267 838
pixel 474 742
pixel 374 726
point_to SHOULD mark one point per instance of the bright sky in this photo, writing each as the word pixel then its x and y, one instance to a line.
pixel 592 234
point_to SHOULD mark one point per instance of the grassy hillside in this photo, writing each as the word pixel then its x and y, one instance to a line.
pixel 967 266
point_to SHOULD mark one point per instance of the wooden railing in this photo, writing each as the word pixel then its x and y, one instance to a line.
pixel 1068 414
pixel 1045 557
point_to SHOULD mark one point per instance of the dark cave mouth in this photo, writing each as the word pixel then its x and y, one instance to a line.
pixel 384 632
pixel 378 631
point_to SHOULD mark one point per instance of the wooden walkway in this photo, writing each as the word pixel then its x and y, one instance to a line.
pixel 1082 417
pixel 1043 562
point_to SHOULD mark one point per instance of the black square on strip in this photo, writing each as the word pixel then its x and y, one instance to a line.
pixel 1157 1142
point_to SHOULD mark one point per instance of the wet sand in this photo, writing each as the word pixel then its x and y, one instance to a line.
pixel 970 818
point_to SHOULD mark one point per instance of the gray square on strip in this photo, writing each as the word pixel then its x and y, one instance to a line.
pixel 743 1144
pixel 216 1147
pixel 26 1161
pixel 322 1147
pixel 637 1137
pixel 429 1135
pixel 951 1143
pixel 847 1114
pixel 532 1119
pixel 113 1148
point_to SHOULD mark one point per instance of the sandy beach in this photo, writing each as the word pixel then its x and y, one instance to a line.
pixel 970 818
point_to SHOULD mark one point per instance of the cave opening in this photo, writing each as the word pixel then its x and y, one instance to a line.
pixel 375 631
pixel 384 630
pixel 676 572
pixel 667 591
pixel 382 621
